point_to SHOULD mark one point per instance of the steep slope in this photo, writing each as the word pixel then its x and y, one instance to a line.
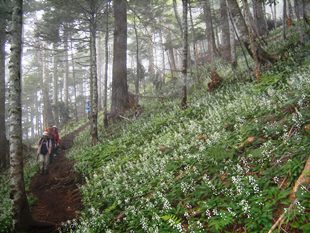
pixel 226 164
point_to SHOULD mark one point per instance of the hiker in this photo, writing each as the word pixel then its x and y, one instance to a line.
pixel 44 151
pixel 55 136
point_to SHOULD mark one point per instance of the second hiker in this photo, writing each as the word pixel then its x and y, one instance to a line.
pixel 44 151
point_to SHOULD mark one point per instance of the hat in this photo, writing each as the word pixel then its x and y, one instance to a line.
pixel 54 126
pixel 45 133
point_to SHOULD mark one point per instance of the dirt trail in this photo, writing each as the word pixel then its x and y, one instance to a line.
pixel 57 193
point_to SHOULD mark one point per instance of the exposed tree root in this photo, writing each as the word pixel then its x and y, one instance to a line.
pixel 303 179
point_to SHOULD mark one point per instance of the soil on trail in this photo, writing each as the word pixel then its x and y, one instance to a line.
pixel 58 198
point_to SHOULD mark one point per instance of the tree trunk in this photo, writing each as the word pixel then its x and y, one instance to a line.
pixel 74 81
pixel 253 45
pixel 259 17
pixel 106 42
pixel 94 82
pixel 3 141
pixel 185 51
pixel 137 84
pixel 194 42
pixel 290 10
pixel 162 54
pixel 226 50
pixel 47 108
pixel 151 68
pixel 32 117
pixel 99 69
pixel 262 56
pixel 21 213
pixel 66 74
pixel 172 62
pixel 175 9
pixel 299 9
pixel 55 85
pixel 209 30
pixel 120 99
pixel 275 13
pixel 250 20
pixel 232 45
pixel 284 18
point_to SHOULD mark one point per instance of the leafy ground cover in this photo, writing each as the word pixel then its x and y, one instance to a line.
pixel 225 164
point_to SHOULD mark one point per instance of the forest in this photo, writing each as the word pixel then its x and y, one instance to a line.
pixel 154 116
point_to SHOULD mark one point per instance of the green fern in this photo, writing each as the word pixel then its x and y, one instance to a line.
pixel 172 219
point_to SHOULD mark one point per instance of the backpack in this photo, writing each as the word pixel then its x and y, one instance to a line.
pixel 44 146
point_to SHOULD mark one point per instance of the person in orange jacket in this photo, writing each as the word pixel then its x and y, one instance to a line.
pixel 56 139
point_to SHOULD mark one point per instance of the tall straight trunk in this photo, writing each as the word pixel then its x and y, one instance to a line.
pixel 66 74
pixel 20 208
pixel 162 54
pixel 299 10
pixel 106 67
pixel 172 62
pixel 209 30
pixel 94 82
pixel 137 91
pixel 185 51
pixel 194 40
pixel 232 40
pixel 253 45
pixel 38 114
pixel 32 117
pixel 262 56
pixel 47 108
pixel 175 9
pixel 226 50
pixel 120 98
pixel 284 18
pixel 275 13
pixel 3 141
pixel 259 17
pixel 151 68
pixel 55 85
pixel 290 10
pixel 74 81
pixel 250 20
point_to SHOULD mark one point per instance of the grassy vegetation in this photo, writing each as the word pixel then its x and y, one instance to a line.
pixel 225 164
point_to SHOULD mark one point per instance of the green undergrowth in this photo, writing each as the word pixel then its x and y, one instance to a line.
pixel 30 169
pixel 227 163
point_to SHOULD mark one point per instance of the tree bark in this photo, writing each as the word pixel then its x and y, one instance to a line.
pixel 106 68
pixel 3 141
pixel 175 6
pixel 137 84
pixel 250 20
pixel 47 108
pixel 120 99
pixel 226 47
pixel 284 18
pixel 66 74
pixel 259 17
pixel 194 42
pixel 55 85
pixel 94 79
pixel 74 81
pixel 172 62
pixel 185 51
pixel 299 9
pixel 262 56
pixel 209 30
pixel 21 213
